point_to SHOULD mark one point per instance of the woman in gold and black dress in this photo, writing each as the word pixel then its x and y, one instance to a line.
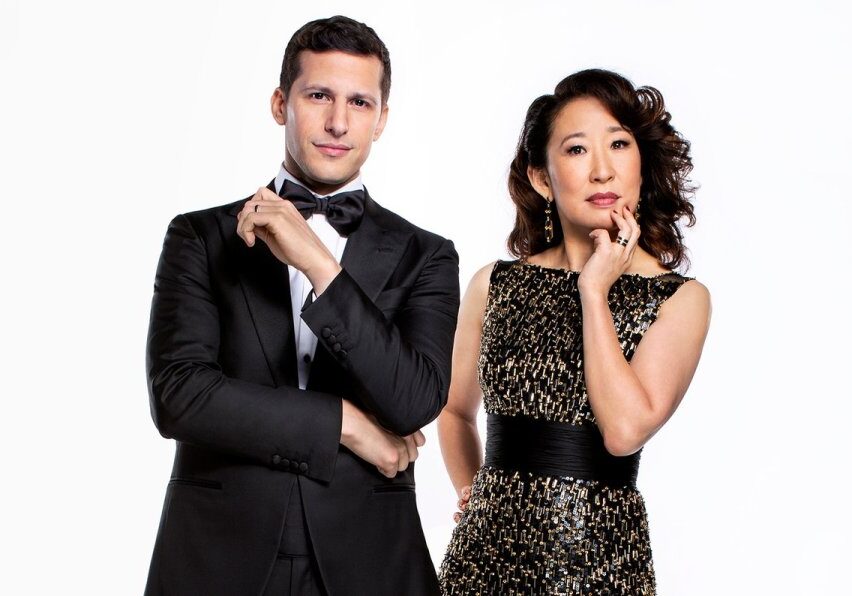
pixel 581 349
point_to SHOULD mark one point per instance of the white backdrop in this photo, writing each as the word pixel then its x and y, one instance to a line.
pixel 115 116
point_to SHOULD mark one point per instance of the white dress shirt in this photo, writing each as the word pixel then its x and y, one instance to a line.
pixel 300 287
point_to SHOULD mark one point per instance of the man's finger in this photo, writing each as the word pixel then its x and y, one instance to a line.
pixel 411 446
pixel 255 205
pixel 403 462
pixel 258 219
pixel 245 230
pixel 268 195
pixel 249 223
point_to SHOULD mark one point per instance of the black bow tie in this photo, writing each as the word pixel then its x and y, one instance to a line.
pixel 343 210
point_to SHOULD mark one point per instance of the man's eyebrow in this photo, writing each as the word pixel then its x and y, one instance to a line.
pixel 367 96
pixel 318 89
pixel 328 91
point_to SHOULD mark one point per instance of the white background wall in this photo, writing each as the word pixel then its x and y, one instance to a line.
pixel 115 116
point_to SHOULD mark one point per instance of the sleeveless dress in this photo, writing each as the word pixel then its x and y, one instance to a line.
pixel 531 533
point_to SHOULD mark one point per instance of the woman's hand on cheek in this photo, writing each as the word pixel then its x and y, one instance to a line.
pixel 609 259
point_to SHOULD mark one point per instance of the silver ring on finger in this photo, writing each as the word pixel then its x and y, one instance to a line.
pixel 621 240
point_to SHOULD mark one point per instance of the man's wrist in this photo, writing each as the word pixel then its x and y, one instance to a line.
pixel 347 412
pixel 323 274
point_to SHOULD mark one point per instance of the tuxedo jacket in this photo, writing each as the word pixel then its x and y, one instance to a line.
pixel 223 382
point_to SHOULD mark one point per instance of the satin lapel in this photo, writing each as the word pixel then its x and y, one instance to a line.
pixel 265 283
pixel 371 255
pixel 374 250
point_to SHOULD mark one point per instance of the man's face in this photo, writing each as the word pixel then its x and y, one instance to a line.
pixel 332 115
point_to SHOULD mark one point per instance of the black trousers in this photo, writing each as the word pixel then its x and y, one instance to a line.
pixel 295 572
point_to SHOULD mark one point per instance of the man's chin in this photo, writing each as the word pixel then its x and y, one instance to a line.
pixel 334 176
pixel 325 180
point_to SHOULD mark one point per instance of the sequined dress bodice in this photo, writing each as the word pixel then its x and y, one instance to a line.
pixel 531 353
pixel 526 533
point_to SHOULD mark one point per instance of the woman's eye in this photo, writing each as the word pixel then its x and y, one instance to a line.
pixel 620 144
pixel 576 150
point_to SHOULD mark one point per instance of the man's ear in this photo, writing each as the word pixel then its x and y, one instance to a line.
pixel 278 105
pixel 540 181
pixel 383 119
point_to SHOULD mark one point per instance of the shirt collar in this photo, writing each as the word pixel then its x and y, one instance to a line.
pixel 283 175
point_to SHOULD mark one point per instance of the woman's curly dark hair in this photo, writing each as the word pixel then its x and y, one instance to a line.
pixel 666 191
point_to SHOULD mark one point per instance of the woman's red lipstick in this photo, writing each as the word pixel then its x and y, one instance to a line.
pixel 603 199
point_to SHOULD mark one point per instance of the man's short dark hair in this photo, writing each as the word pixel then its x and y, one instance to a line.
pixel 336 33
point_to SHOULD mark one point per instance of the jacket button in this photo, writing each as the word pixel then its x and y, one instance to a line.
pixel 325 332
pixel 285 462
pixel 303 467
pixel 332 338
pixel 276 459
pixel 294 466
pixel 337 347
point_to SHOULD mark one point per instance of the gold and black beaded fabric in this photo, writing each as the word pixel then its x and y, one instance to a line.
pixel 528 533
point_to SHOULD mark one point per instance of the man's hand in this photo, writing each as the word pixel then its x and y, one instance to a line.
pixel 280 225
pixel 362 434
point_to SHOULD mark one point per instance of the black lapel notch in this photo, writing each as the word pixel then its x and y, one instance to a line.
pixel 373 252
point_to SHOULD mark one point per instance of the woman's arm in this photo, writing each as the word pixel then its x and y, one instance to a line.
pixel 457 433
pixel 632 401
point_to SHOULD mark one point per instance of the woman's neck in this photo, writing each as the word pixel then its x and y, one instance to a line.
pixel 573 253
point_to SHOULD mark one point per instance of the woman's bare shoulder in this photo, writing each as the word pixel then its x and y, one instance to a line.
pixel 690 301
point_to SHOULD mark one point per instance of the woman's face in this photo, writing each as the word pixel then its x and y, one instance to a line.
pixel 593 167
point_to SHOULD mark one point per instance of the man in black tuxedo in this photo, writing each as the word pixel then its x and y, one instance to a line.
pixel 298 340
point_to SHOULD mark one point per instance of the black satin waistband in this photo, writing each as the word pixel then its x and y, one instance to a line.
pixel 547 448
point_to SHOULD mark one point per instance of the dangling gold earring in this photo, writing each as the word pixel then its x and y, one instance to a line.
pixel 636 211
pixel 548 222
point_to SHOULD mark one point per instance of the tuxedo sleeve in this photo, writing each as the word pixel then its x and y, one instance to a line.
pixel 193 401
pixel 401 370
